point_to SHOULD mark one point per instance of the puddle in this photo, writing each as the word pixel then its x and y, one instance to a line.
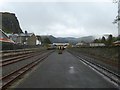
pixel 71 70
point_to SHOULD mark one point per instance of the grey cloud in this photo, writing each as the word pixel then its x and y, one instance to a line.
pixel 48 18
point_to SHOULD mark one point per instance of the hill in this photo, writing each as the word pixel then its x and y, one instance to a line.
pixel 86 39
pixel 71 40
pixel 10 23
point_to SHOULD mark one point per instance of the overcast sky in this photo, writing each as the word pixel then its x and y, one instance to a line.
pixel 64 19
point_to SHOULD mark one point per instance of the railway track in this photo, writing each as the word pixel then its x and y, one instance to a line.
pixel 12 53
pixel 13 76
pixel 17 63
pixel 112 76
pixel 7 55
pixel 18 58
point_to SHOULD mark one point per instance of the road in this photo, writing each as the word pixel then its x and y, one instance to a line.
pixel 63 71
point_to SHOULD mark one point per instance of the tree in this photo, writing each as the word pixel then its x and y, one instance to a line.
pixel 47 41
pixel 103 40
pixel 109 40
pixel 118 38
pixel 115 39
pixel 96 41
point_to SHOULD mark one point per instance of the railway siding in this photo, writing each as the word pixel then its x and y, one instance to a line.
pixel 13 70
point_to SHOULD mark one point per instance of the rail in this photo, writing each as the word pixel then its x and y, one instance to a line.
pixel 13 76
pixel 114 77
pixel 18 58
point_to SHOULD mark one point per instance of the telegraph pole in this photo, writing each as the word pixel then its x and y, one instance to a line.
pixel 118 32
pixel 117 20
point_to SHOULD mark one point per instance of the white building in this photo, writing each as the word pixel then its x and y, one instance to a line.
pixel 96 44
pixel 59 44
pixel 65 45
pixel 38 42
pixel 80 44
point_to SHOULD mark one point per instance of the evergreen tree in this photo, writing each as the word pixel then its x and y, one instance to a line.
pixel 103 40
pixel 96 41
pixel 47 41
pixel 109 40
pixel 118 38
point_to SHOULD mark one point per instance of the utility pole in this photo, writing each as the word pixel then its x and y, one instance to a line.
pixel 117 20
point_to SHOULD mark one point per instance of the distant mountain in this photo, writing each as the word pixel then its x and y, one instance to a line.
pixel 10 23
pixel 86 39
pixel 71 40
